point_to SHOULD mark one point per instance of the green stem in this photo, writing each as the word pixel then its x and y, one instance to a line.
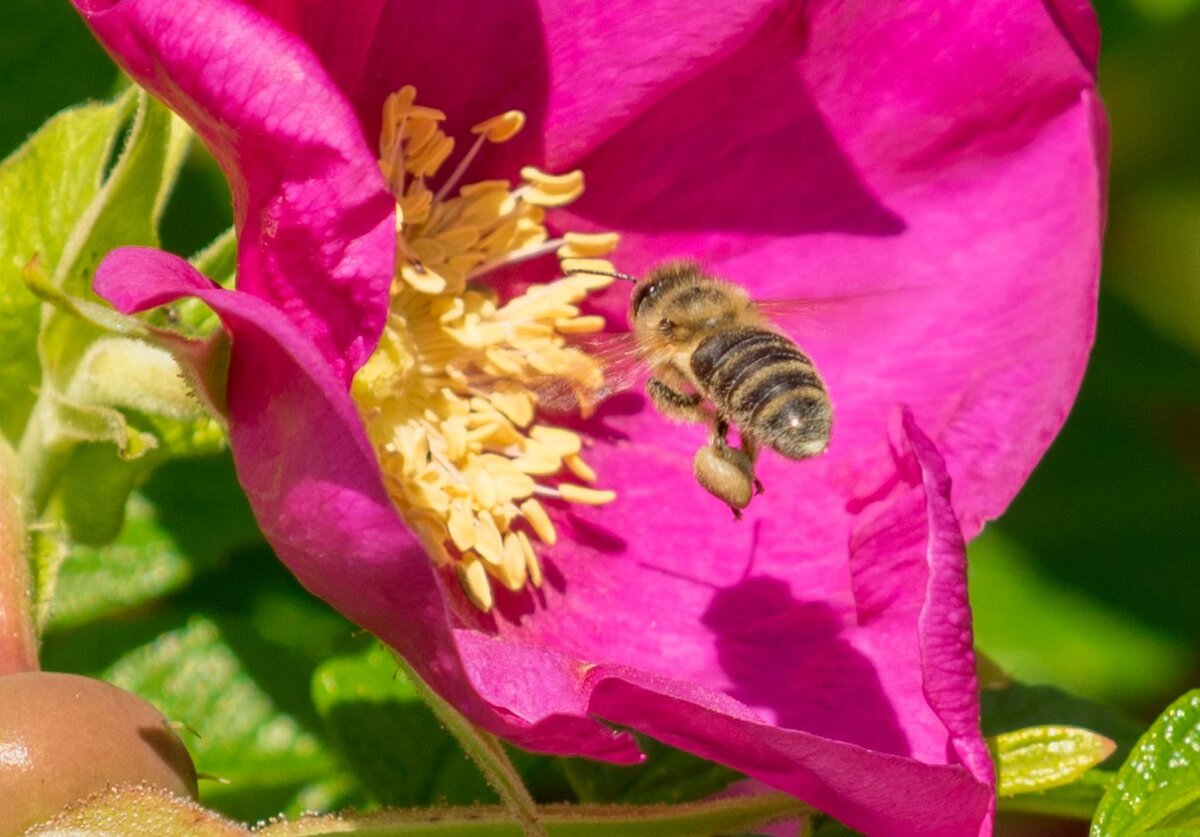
pixel 18 640
pixel 36 462
pixel 694 819
pixel 487 753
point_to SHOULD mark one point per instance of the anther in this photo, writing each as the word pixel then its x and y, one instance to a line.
pixel 501 128
pixel 587 245
pixel 549 190
pixel 585 496
pixel 498 129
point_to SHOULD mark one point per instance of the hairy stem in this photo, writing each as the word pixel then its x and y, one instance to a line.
pixel 488 754
pixel 732 815
pixel 18 641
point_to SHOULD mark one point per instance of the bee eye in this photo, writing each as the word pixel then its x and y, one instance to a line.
pixel 646 292
pixel 666 326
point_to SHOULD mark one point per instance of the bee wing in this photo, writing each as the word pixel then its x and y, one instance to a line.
pixel 590 369
pixel 616 356
pixel 833 315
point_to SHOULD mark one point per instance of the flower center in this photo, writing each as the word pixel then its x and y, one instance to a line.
pixel 450 397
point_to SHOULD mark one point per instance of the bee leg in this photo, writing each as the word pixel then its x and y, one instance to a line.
pixel 727 474
pixel 675 404
pixel 720 433
pixel 720 442
pixel 750 448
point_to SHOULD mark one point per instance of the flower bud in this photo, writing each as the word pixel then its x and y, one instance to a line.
pixel 63 737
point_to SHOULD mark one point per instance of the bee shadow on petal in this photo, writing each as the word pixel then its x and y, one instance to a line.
pixel 790 659
pixel 599 427
pixel 592 535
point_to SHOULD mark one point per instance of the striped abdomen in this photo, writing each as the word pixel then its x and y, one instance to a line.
pixel 759 380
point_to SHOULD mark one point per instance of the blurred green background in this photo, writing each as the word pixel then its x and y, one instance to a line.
pixel 1090 582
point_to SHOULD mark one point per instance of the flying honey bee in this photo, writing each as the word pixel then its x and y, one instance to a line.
pixel 715 359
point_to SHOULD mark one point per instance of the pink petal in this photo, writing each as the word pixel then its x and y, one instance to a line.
pixel 771 653
pixel 845 165
pixel 304 460
pixel 539 57
pixel 315 222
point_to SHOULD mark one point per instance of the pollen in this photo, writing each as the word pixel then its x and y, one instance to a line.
pixel 453 397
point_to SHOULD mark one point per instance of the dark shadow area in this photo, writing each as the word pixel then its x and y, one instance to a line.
pixel 598 425
pixel 505 67
pixel 513 606
pixel 200 206
pixel 401 754
pixel 1113 510
pixel 594 536
pixel 167 745
pixel 48 60
pixel 191 495
pixel 679 164
pixel 788 656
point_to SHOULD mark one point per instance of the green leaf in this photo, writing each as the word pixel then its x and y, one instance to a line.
pixel 1059 635
pixel 248 731
pixel 167 539
pixel 387 735
pixel 1039 758
pixel 829 827
pixel 1019 706
pixel 667 775
pixel 62 165
pixel 130 201
pixel 1077 800
pixel 218 261
pixel 93 385
pixel 93 500
pixel 1159 784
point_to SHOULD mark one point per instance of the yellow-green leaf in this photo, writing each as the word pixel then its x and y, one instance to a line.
pixel 1038 758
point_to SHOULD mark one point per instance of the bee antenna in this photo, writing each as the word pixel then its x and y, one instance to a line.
pixel 613 274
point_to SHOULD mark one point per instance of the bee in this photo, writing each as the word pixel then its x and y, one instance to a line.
pixel 716 360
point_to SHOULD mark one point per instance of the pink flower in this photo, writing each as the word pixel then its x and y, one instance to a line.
pixel 823 645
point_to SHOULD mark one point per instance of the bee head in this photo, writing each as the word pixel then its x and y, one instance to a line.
pixel 657 282
pixel 650 288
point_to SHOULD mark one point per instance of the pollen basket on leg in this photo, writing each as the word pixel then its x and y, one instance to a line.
pixel 450 398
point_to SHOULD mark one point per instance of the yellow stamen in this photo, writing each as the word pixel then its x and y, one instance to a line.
pixel 551 189
pixel 473 577
pixel 532 565
pixel 450 398
pixel 585 496
pixel 501 128
pixel 579 325
pixel 579 468
pixel 539 521
pixel 587 245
